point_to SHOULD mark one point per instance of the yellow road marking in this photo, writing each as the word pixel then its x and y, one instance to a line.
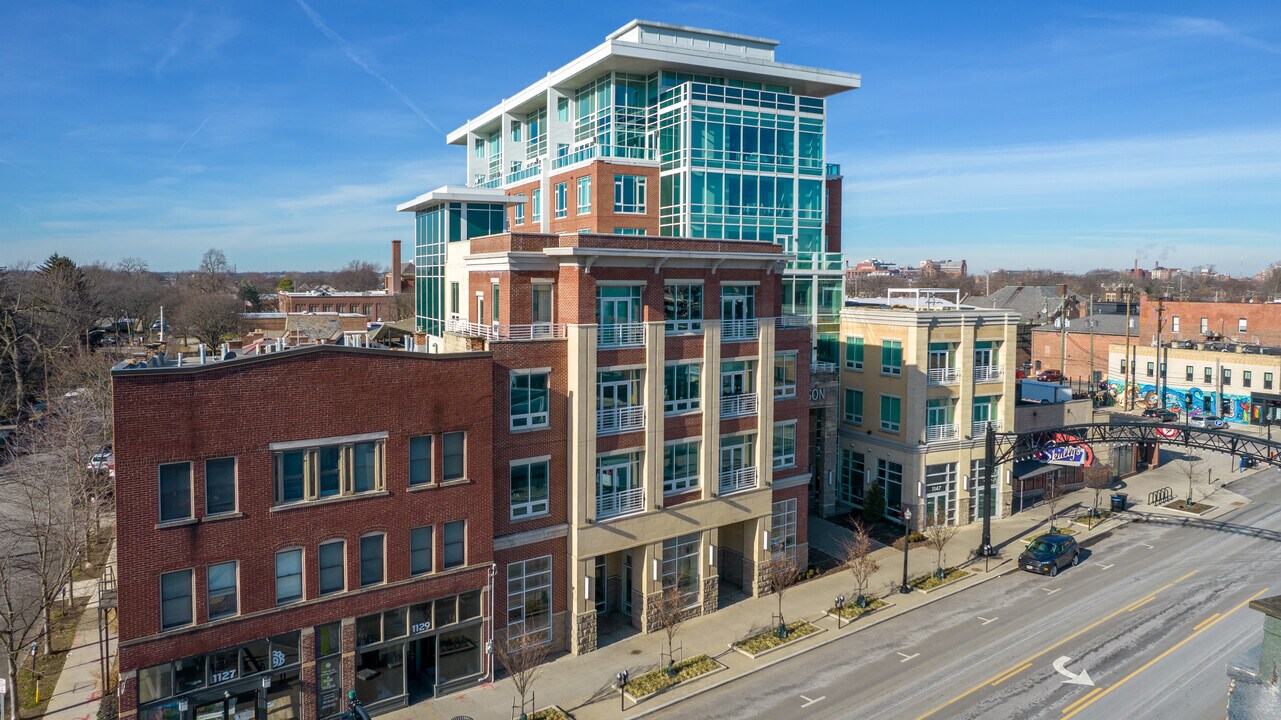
pixel 1198 625
pixel 1011 674
pixel 1087 696
pixel 1064 641
pixel 1163 655
pixel 1141 603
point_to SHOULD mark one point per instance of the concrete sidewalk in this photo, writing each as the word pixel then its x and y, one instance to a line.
pixel 584 685
pixel 79 689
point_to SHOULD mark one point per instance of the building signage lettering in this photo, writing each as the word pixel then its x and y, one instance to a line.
pixel 222 677
pixel 419 627
pixel 818 394
pixel 329 674
pixel 1067 450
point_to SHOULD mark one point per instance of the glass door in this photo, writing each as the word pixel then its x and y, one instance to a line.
pixel 936 415
pixel 735 379
pixel 600 586
pixel 627 584
pixel 983 356
pixel 241 705
pixel 738 303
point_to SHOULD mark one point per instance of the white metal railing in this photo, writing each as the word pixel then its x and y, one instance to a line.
pixel 624 418
pixel 791 321
pixel 983 373
pixel 524 173
pixel 738 405
pixel 741 329
pixel 737 479
pixel 822 367
pixel 941 376
pixel 817 261
pixel 940 432
pixel 620 335
pixel 623 502
pixel 534 331
pixel 979 428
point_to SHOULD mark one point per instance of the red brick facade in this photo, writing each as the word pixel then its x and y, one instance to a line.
pixel 1262 321
pixel 601 217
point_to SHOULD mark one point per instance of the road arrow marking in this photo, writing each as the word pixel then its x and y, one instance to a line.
pixel 1105 567
pixel 809 702
pixel 1082 679
pixel 986 620
pixel 1146 545
pixel 1049 591
pixel 907 657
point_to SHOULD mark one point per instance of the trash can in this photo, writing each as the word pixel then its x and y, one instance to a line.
pixel 1118 502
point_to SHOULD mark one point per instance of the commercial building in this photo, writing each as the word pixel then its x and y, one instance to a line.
pixel 1257 323
pixel 1081 348
pixel 923 377
pixel 373 304
pixel 1237 382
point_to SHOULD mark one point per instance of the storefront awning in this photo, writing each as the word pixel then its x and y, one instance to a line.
pixel 1032 468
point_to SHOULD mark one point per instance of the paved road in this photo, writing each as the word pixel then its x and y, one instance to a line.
pixel 1153 614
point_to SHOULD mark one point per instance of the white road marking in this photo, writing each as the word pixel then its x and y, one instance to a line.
pixel 1146 545
pixel 907 657
pixel 987 620
pixel 1051 592
pixel 809 702
pixel 1072 678
pixel 1105 567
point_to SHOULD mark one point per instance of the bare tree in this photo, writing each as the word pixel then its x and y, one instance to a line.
pixel 357 275
pixel 522 658
pixel 1192 467
pixel 1052 496
pixel 857 551
pixel 1097 479
pixel 210 319
pixel 214 273
pixel 938 532
pixel 781 573
pixel 669 613
pixel 132 265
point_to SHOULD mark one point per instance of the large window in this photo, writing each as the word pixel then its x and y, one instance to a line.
pixel 540 304
pixel 175 491
pixel 782 534
pixel 854 353
pixel 327 471
pixel 680 467
pixel 584 195
pixel 220 486
pixel 528 400
pixel 221 595
pixel 455 544
pixel 529 489
pixel 852 478
pixel 854 406
pixel 892 357
pixel 333 566
pixel 455 444
pixel 889 475
pixel 288 576
pixel 520 219
pixel 536 214
pixel 629 193
pixel 681 568
pixel 420 460
pixel 175 599
pixel 683 307
pixel 681 387
pixel 891 412
pixel 785 444
pixel 785 375
pixel 372 565
pixel 561 191
pixel 421 548
pixel 529 598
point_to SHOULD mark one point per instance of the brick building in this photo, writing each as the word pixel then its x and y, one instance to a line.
pixel 1240 322
pixel 373 304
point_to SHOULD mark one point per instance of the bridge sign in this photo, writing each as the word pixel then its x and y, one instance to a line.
pixel 1064 449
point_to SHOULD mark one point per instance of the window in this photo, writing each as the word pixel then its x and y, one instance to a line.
pixel 453 298
pixel 629 193
pixel 332 566
pixel 540 303
pixel 520 216
pixel 892 357
pixel 326 471
pixel 785 444
pixel 1162 369
pixel 1174 324
pixel 629 231
pixel 220 486
pixel 529 598
pixel 681 388
pixel 420 460
pixel 852 477
pixel 854 406
pixel 1209 375
pixel 420 550
pixel 1205 325
pixel 680 467
pixel 455 465
pixel 175 599
pixel 889 475
pixel 785 375
pixel 584 195
pixel 561 191
pixel 1151 369
pixel 1123 366
pixel 1227 376
pixel 1267 381
pixel 1246 377
pixel 1241 325
pixel 528 400
pixel 537 213
pixel 288 576
pixel 854 353
pixel 891 408
pixel 1187 373
pixel 221 596
pixel 681 568
pixel 782 534
pixel 529 489
pixel 683 307
pixel 175 491
pixel 455 544
pixel 372 567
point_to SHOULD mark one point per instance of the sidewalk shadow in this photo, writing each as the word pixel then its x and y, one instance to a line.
pixel 1203 524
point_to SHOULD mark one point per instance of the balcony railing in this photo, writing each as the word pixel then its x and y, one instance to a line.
pixel 737 480
pixel 624 502
pixel 940 432
pixel 985 373
pixel 535 331
pixel 524 173
pixel 620 335
pixel 817 261
pixel 822 367
pixel 620 419
pixel 741 329
pixel 738 405
pixel 785 322
pixel 979 428
pixel 941 376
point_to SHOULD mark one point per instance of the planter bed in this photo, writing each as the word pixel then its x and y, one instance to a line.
pixel 1181 506
pixel 657 681
pixel 930 583
pixel 853 612
pixel 551 713
pixel 769 641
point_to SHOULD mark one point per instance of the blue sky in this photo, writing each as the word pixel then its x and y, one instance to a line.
pixel 1013 134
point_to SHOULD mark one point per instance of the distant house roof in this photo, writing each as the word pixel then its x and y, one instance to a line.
pixel 327 291
pixel 1108 324
pixel 1029 301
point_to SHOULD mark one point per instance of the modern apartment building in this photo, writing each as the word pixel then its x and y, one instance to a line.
pixel 922 377
pixel 1238 382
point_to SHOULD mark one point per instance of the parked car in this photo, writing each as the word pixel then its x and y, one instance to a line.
pixel 1207 421
pixel 1048 553
pixel 102 460
pixel 1050 376
pixel 1164 415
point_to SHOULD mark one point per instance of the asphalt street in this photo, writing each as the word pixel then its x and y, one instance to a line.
pixel 1153 614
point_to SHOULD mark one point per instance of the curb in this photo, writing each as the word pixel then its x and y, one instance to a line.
pixel 720 667
pixel 817 630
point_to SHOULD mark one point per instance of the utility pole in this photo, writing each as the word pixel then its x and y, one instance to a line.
pixel 1160 320
pixel 1125 364
pixel 1063 333
pixel 1090 322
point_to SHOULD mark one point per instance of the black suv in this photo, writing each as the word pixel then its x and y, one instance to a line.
pixel 1161 415
pixel 1046 554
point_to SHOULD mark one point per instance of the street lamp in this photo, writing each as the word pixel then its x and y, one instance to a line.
pixel 907 531
pixel 840 606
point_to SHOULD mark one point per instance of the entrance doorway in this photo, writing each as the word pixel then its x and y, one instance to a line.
pixel 242 705
pixel 421 669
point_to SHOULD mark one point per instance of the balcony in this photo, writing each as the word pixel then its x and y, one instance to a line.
pixel 817 261
pixel 625 502
pixel 791 322
pixel 620 335
pixel 987 373
pixel 822 367
pixel 524 173
pixel 741 329
pixel 737 480
pixel 535 331
pixel 941 376
pixel 738 405
pixel 934 433
pixel 979 428
pixel 627 418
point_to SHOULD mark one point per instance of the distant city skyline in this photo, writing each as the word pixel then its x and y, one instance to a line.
pixel 1013 136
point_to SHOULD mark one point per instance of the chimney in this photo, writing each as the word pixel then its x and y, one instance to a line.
pixel 393 278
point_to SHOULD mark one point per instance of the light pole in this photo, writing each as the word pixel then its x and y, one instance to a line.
pixel 907 537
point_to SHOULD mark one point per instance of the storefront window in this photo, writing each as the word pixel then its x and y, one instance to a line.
pixel 284 649
pixel 282 697
pixel 394 623
pixel 189 674
pixel 380 674
pixel 155 683
pixel 469 605
pixel 329 690
pixel 255 659
pixel 459 654
pixel 420 618
pixel 224 666
pixel 369 629
pixel 329 639
pixel 166 711
pixel 446 611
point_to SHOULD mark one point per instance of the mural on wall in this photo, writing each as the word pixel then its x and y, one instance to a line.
pixel 1233 408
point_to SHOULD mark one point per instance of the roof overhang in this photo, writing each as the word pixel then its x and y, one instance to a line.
pixel 458 193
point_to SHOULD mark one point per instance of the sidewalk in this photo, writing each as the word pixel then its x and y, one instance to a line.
pixel 78 692
pixel 584 684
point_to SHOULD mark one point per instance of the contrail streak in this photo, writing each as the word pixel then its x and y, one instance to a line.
pixel 347 49
pixel 200 127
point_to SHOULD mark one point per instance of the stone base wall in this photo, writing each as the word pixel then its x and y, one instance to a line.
pixel 584 637
pixel 711 594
